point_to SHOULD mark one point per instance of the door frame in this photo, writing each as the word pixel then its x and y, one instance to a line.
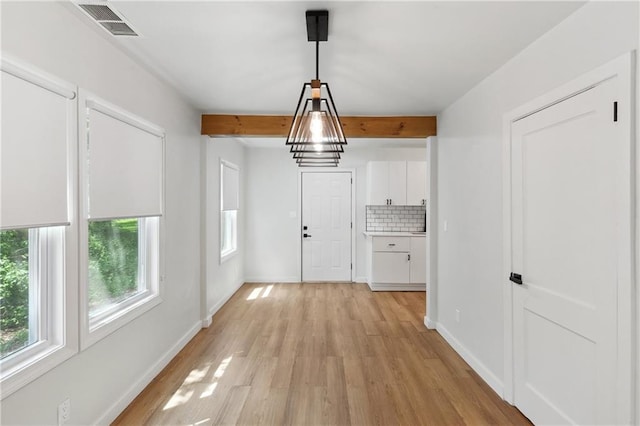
pixel 623 69
pixel 352 172
pixel 431 313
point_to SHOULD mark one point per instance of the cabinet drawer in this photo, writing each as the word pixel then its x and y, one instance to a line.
pixel 391 243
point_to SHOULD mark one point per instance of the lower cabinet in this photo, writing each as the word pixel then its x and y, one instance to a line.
pixel 397 263
pixel 390 267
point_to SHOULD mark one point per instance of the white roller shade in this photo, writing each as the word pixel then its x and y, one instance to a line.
pixel 229 176
pixel 124 164
pixel 38 132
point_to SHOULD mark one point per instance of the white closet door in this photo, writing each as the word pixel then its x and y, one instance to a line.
pixel 565 243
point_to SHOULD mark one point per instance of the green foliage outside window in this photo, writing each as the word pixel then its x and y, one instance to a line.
pixel 113 262
pixel 14 290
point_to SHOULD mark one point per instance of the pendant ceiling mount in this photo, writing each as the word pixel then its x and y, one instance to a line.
pixel 317 25
pixel 316 137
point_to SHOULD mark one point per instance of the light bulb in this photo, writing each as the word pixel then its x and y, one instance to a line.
pixel 316 127
pixel 317 147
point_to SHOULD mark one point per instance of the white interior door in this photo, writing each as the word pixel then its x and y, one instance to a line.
pixel 326 214
pixel 568 243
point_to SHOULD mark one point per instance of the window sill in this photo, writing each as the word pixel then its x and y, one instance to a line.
pixel 34 367
pixel 93 333
pixel 227 256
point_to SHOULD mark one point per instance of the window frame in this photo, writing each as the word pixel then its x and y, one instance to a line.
pixel 59 323
pixel 234 252
pixel 94 330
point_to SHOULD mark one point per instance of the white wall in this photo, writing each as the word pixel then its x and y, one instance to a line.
pixel 222 279
pixel 273 237
pixel 101 380
pixel 469 171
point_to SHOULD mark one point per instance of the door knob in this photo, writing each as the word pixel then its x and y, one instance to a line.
pixel 306 235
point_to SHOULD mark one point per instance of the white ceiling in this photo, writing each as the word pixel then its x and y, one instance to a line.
pixel 382 58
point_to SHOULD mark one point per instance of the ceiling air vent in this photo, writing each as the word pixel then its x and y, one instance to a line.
pixel 118 28
pixel 108 19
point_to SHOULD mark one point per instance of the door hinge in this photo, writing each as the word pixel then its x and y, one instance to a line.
pixel 352 180
pixel 615 111
pixel 516 278
pixel 352 266
pixel 351 225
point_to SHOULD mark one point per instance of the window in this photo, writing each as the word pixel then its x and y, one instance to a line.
pixel 122 164
pixel 229 204
pixel 228 232
pixel 119 252
pixel 28 283
pixel 38 309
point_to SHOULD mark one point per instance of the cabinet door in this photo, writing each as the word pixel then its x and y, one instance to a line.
pixel 377 183
pixel 416 182
pixel 390 267
pixel 418 260
pixel 398 182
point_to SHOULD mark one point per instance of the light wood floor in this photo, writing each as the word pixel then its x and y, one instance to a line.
pixel 320 354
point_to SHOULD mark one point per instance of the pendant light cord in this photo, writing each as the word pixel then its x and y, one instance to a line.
pixel 317 48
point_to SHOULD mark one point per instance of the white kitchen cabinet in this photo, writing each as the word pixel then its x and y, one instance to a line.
pixel 377 183
pixel 416 183
pixel 391 267
pixel 396 263
pixel 397 183
pixel 386 183
pixel 418 272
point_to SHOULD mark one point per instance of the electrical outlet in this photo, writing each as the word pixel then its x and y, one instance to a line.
pixel 458 315
pixel 64 412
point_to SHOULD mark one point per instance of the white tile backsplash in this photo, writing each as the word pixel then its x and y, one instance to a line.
pixel 396 218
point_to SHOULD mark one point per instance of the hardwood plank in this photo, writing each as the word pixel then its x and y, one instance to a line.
pixel 359 406
pixel 232 407
pixel 331 354
pixel 218 125
pixel 336 405
pixel 284 371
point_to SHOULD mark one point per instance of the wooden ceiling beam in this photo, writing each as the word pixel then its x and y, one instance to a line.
pixel 219 125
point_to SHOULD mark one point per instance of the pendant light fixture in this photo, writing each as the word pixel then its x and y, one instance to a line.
pixel 316 137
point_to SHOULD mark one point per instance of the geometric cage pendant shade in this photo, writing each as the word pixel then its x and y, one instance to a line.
pixel 316 137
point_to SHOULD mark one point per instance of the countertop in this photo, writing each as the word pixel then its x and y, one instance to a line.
pixel 393 234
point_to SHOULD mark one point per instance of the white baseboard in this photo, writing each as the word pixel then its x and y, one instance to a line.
pixel 397 287
pixel 206 322
pixel 430 324
pixel 361 280
pixel 290 279
pixel 215 308
pixel 118 407
pixel 492 380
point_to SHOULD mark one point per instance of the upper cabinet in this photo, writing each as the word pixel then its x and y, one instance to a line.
pixel 416 183
pixel 396 182
pixel 387 182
